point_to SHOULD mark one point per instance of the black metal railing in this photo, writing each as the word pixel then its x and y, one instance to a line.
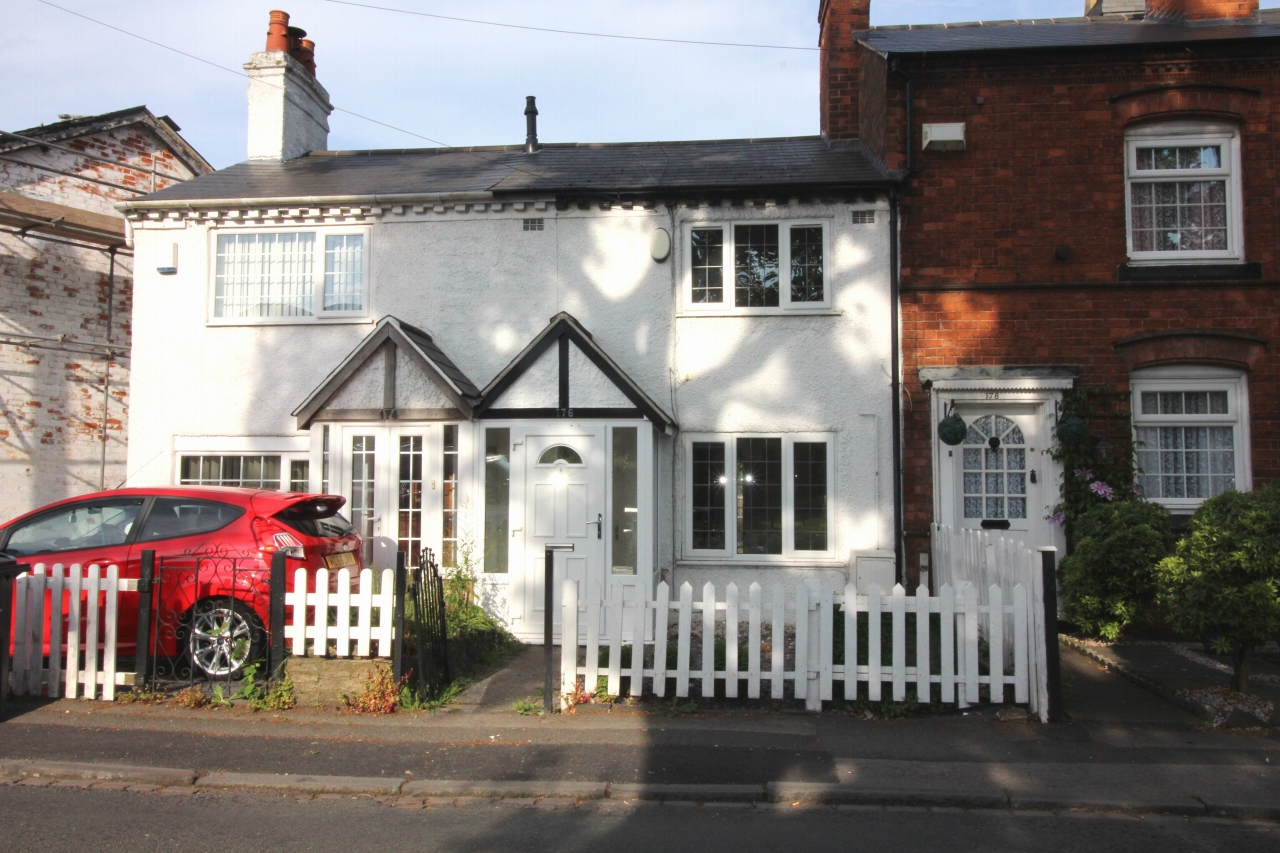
pixel 200 618
pixel 427 640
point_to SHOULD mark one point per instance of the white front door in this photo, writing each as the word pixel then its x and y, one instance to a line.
pixel 994 472
pixel 1001 477
pixel 401 486
pixel 563 502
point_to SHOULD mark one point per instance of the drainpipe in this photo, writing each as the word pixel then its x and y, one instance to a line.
pixel 106 376
pixel 895 383
pixel 895 299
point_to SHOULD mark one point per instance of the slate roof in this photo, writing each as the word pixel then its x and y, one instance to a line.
pixel 628 167
pixel 1053 33
pixel 445 364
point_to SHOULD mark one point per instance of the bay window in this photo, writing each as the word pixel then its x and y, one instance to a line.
pixel 755 497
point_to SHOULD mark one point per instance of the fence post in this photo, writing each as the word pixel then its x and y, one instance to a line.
pixel 397 641
pixel 8 571
pixel 275 588
pixel 142 651
pixel 1052 663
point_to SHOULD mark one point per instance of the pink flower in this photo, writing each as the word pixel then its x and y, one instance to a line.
pixel 1058 517
pixel 1137 490
pixel 1084 473
pixel 1102 490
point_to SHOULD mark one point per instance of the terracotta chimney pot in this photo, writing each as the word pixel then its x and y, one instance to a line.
pixel 307 55
pixel 278 31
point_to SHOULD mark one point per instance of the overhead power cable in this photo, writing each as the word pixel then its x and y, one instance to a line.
pixel 230 70
pixel 571 32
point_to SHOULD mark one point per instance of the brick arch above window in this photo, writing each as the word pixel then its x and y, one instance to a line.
pixel 1225 347
pixel 1175 100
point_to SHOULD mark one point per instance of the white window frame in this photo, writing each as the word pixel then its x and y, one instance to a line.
pixel 785 305
pixel 319 315
pixel 789 553
pixel 1197 378
pixel 1187 134
pixel 289 449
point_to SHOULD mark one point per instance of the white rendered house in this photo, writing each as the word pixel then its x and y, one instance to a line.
pixel 675 356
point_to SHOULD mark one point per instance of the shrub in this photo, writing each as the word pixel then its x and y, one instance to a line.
pixel 1108 578
pixel 1225 576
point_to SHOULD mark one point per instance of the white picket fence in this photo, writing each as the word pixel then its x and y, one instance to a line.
pixel 90 599
pixel 985 558
pixel 314 634
pixel 958 675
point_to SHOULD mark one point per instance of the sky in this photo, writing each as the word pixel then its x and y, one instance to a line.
pixel 439 82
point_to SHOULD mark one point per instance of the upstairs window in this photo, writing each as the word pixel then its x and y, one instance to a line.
pixel 761 267
pixel 1183 191
pixel 294 275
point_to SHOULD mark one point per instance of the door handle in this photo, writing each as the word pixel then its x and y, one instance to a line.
pixel 599 523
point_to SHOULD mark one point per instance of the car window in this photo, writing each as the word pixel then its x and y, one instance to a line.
pixel 333 526
pixel 173 517
pixel 77 527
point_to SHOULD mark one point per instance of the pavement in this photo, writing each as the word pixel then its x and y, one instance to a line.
pixel 1191 678
pixel 1123 749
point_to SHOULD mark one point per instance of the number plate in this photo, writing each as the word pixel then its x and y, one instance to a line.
pixel 340 561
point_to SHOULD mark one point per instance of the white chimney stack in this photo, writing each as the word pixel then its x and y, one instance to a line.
pixel 288 108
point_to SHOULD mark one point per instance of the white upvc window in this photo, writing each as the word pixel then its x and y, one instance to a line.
pixel 1192 429
pixel 757 267
pixel 290 276
pixel 760 498
pixel 1182 193
pixel 289 472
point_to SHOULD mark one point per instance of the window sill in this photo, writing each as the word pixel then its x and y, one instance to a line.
pixel 762 312
pixel 761 562
pixel 290 321
pixel 1189 272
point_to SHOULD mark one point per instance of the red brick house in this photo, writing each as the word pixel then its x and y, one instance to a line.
pixel 1085 203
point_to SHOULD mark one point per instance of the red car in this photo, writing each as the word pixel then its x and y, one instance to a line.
pixel 213 549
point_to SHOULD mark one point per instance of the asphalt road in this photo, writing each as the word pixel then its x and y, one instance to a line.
pixel 48 820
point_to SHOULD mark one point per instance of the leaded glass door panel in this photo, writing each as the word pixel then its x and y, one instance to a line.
pixel 996 476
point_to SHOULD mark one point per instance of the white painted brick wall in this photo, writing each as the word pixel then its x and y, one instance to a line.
pixel 51 401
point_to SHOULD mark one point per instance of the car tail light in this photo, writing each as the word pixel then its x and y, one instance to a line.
pixel 271 538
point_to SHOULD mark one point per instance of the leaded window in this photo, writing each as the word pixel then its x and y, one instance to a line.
pixel 1183 193
pixel 709 482
pixel 707 258
pixel 1188 434
pixel 775 267
pixel 288 275
pixel 755 266
pixel 995 469
pixel 449 497
pixel 760 496
pixel 806 264
pixel 409 509
pixel 257 471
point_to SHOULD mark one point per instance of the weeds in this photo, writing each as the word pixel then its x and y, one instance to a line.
pixel 575 697
pixel 410 701
pixel 380 694
pixel 529 707
pixel 142 696
pixel 192 698
pixel 276 697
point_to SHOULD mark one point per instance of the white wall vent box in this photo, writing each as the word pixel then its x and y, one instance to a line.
pixel 942 137
pixel 874 567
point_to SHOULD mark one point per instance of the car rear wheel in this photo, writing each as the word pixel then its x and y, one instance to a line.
pixel 225 637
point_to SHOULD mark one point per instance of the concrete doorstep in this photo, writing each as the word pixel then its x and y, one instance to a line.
pixel 176 780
